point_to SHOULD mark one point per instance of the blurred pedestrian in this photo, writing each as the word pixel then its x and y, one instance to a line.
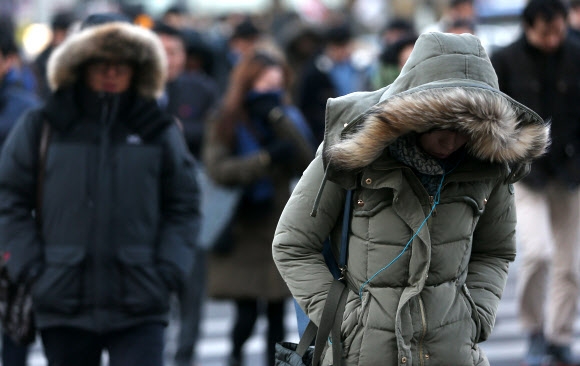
pixel 430 161
pixel 330 74
pixel 60 24
pixel 189 96
pixel 15 100
pixel 176 16
pixel 182 85
pixel 119 199
pixel 200 56
pixel 541 70
pixel 460 26
pixel 257 141
pixel 574 19
pixel 397 39
pixel 301 42
pixel 20 71
pixel 244 38
pixel 392 59
pixel 456 10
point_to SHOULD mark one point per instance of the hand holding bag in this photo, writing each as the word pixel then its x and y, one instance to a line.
pixel 15 298
pixel 301 354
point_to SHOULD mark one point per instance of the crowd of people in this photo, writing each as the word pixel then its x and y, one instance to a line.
pixel 440 144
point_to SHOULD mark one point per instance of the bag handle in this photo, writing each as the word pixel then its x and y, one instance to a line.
pixel 331 319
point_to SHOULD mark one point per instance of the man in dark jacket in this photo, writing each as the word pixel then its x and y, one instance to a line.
pixel 14 101
pixel 119 209
pixel 59 24
pixel 541 70
pixel 189 96
pixel 330 74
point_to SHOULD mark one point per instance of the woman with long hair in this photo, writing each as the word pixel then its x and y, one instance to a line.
pixel 259 141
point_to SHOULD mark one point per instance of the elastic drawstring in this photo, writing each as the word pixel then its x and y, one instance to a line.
pixel 314 211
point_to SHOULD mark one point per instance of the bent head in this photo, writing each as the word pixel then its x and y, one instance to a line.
pixel 442 143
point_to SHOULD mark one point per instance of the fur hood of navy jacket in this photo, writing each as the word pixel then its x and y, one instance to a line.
pixel 115 41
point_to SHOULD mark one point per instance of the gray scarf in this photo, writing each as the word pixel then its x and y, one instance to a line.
pixel 427 168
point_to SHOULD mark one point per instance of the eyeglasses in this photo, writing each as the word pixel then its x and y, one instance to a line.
pixel 102 67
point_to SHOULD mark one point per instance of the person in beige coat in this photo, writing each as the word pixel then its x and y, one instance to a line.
pixel 259 142
pixel 431 159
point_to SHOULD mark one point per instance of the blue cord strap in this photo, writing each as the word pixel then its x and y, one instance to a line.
pixel 436 200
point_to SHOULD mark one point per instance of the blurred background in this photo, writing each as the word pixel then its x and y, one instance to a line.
pixel 495 22
pixel 497 19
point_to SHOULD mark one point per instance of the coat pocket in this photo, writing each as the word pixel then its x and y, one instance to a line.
pixel 59 288
pixel 474 313
pixel 143 290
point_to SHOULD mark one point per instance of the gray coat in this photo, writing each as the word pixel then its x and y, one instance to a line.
pixel 438 298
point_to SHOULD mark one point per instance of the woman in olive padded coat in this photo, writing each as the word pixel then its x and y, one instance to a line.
pixel 431 159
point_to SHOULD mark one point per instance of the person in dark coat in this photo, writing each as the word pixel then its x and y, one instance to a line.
pixel 119 207
pixel 541 70
pixel 331 74
pixel 14 101
pixel 189 96
pixel 59 24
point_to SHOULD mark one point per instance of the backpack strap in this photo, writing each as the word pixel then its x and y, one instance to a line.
pixel 333 311
pixel 42 150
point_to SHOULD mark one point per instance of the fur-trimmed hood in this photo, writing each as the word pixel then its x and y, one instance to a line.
pixel 447 83
pixel 111 41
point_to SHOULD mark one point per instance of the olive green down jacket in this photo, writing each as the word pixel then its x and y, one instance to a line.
pixel 438 300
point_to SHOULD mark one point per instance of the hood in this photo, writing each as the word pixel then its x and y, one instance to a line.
pixel 447 83
pixel 111 41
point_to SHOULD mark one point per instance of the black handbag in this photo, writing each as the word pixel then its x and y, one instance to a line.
pixel 302 354
pixel 16 312
pixel 16 308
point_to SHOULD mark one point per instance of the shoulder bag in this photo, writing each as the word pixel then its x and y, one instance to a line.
pixel 302 354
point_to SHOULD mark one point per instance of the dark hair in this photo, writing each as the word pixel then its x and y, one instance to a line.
pixel 62 20
pixel 176 9
pixel 168 30
pixel 574 3
pixel 339 34
pixel 460 23
pixel 197 46
pixel 454 3
pixel 7 38
pixel 401 24
pixel 104 18
pixel 546 9
pixel 390 55
pixel 246 29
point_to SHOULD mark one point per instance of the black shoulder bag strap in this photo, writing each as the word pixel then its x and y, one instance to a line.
pixel 333 311
pixel 42 150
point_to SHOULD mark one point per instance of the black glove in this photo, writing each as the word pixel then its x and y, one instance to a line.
pixel 281 151
pixel 260 105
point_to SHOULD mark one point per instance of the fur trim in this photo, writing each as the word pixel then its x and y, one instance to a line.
pixel 111 41
pixel 500 131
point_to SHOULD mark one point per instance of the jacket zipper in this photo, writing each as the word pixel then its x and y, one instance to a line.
pixel 423 331
pixel 109 113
